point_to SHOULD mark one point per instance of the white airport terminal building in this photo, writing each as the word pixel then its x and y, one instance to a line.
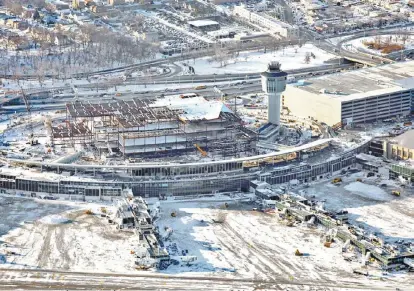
pixel 354 97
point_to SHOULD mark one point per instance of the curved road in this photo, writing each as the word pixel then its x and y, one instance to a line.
pixel 360 56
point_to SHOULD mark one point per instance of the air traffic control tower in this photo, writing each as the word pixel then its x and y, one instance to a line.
pixel 273 84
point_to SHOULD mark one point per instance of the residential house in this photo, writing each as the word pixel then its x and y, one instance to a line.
pixel 99 9
pixel 4 18
pixel 17 24
pixel 58 5
pixel 116 2
pixel 148 36
pixel 78 4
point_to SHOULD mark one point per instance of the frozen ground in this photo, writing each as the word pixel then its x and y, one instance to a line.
pixel 291 57
pixel 50 235
pixel 249 246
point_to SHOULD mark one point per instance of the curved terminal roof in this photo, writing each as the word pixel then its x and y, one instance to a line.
pixel 171 165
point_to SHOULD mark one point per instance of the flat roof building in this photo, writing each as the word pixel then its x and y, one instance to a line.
pixel 204 24
pixel 354 97
pixel 273 25
pixel 400 147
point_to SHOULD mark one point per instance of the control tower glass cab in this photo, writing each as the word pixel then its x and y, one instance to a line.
pixel 273 84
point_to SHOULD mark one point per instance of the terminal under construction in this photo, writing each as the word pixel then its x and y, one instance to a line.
pixel 161 127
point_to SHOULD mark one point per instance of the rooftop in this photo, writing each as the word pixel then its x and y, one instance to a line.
pixel 203 22
pixel 362 83
pixel 406 139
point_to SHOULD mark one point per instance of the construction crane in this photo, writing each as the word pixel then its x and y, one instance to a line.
pixel 203 153
pixel 31 141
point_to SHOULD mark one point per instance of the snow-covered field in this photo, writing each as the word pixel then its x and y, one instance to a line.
pixel 292 57
pixel 52 235
pixel 248 244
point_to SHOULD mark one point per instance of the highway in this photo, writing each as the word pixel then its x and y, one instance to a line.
pixel 247 83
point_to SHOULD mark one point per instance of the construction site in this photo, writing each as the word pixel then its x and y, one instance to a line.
pixel 372 247
pixel 293 233
pixel 154 127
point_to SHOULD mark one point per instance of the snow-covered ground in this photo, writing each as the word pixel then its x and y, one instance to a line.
pixel 292 57
pixel 248 245
pixel 370 206
pixel 367 191
pixel 60 235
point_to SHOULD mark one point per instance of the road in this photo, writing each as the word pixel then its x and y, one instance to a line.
pixel 360 56
pixel 40 279
pixel 248 83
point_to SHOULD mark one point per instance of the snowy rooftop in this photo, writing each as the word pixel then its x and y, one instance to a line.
pixel 196 108
pixel 370 158
pixel 406 139
pixel 363 83
pixel 203 22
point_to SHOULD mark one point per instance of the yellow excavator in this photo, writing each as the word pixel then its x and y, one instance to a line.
pixel 203 153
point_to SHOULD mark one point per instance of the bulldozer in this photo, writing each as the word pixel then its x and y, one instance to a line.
pixel 396 193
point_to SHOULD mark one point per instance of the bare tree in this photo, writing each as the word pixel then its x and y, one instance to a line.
pixel 307 58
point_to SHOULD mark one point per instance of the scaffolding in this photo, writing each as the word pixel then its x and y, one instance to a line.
pixel 139 127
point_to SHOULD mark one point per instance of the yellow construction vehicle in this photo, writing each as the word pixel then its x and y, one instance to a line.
pixel 327 244
pixel 395 193
pixel 203 153
pixel 182 119
pixel 250 164
pixel 298 253
pixel 336 180
pixel 359 180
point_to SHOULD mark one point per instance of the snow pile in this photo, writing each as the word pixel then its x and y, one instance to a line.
pixel 54 219
pixel 368 191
